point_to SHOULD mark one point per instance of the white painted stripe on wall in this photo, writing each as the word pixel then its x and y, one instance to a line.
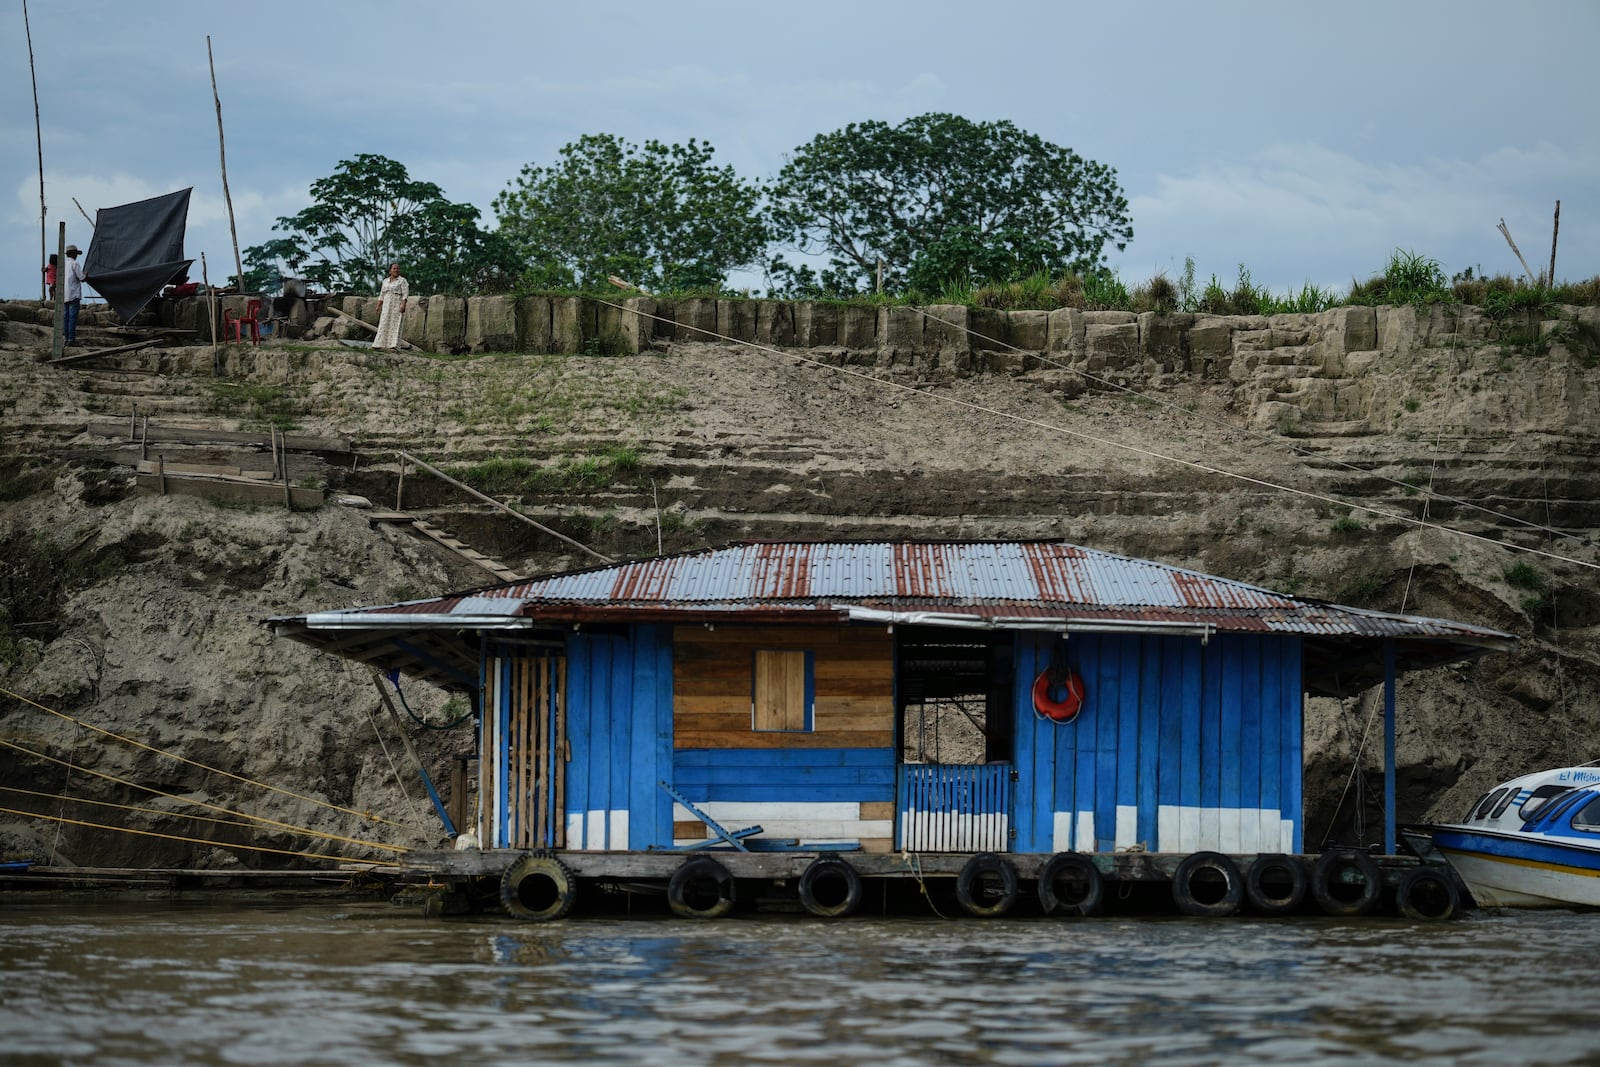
pixel 617 832
pixel 1083 837
pixel 948 832
pixel 1188 830
pixel 1061 831
pixel 574 829
pixel 1168 829
pixel 595 824
pixel 1232 841
pixel 1127 826
pixel 816 822
pixel 1231 830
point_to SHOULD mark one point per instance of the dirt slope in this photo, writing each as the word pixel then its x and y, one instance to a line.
pixel 141 615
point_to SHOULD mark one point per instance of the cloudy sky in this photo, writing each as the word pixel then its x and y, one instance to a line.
pixel 1306 142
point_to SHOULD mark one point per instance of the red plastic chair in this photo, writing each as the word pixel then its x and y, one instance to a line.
pixel 252 319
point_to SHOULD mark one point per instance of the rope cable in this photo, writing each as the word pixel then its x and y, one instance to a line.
pixel 1135 449
pixel 188 800
pixel 202 766
pixel 244 823
pixel 1264 438
pixel 196 840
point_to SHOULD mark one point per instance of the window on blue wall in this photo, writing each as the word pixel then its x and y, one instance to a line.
pixel 783 690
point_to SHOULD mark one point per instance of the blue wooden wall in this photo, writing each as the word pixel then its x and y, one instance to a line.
pixel 619 727
pixel 1174 733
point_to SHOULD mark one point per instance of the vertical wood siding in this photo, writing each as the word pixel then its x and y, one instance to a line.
pixel 619 737
pixel 1181 746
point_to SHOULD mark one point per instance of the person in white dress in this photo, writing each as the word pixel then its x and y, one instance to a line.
pixel 391 306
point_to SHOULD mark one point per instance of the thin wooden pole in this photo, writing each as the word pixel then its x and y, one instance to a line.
pixel 222 151
pixel 84 213
pixel 1555 229
pixel 211 314
pixel 38 137
pixel 59 337
pixel 1507 234
pixel 436 472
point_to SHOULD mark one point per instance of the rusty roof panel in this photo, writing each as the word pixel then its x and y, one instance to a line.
pixel 993 581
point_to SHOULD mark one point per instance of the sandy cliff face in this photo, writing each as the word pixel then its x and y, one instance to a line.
pixel 1242 447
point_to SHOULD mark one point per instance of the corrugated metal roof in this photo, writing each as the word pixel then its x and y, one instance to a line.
pixel 1007 583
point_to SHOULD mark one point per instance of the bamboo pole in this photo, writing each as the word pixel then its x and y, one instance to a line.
pixel 1555 229
pixel 38 137
pixel 211 313
pixel 222 151
pixel 1507 234
pixel 84 213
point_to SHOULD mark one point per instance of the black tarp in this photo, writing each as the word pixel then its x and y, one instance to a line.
pixel 137 249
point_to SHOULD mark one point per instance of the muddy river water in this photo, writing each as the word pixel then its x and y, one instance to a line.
pixel 108 984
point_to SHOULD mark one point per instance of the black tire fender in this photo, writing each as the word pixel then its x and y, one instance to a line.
pixel 1070 883
pixel 1427 894
pixel 701 889
pixel 1346 882
pixel 823 874
pixel 1194 885
pixel 538 887
pixel 1276 884
pixel 969 885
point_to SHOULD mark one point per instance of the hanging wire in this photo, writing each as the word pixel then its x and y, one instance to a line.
pixel 195 763
pixel 258 819
pixel 1207 468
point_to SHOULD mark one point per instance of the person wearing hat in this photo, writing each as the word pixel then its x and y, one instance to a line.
pixel 74 294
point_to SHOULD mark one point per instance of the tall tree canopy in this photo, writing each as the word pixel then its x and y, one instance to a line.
pixel 368 213
pixel 661 216
pixel 941 199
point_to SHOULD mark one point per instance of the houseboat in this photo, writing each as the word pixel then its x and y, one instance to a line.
pixel 1027 719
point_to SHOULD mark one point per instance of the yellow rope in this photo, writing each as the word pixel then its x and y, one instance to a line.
pixel 198 840
pixel 193 763
pixel 187 800
pixel 304 831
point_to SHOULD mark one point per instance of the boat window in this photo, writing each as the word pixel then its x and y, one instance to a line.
pixel 1505 802
pixel 1472 809
pixel 1588 817
pixel 1488 803
pixel 1559 807
pixel 1538 797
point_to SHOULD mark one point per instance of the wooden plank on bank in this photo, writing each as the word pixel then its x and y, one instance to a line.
pixel 205 435
pixel 80 356
pixel 230 491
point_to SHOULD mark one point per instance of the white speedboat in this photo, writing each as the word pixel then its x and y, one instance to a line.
pixel 1533 842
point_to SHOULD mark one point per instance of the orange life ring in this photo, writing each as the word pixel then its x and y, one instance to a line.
pixel 1064 709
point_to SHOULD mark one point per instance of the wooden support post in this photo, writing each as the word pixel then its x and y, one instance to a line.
pixel 161 474
pixel 400 489
pixel 144 440
pixel 1389 830
pixel 58 338
pixel 1555 230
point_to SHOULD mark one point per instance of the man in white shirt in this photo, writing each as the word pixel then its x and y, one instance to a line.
pixel 73 280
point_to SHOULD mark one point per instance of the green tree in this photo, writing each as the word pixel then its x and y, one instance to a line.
pixel 948 200
pixel 368 213
pixel 660 216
